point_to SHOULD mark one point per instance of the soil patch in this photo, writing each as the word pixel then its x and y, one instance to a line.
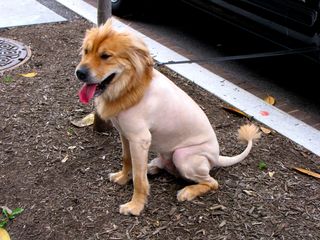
pixel 75 200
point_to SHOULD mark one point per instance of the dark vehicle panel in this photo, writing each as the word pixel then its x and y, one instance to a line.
pixel 298 19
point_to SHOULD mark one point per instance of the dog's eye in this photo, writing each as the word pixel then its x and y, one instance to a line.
pixel 104 56
pixel 85 51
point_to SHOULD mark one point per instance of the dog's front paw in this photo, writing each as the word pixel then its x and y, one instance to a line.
pixel 132 207
pixel 119 177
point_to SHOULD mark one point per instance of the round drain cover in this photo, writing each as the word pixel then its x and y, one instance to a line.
pixel 12 54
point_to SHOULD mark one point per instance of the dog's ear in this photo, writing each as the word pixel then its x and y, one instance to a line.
pixel 140 59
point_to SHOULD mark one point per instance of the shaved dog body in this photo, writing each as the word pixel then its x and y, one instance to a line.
pixel 151 113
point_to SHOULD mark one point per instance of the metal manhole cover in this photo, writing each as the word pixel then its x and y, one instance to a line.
pixel 12 54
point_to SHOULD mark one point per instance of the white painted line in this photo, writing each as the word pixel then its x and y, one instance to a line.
pixel 18 13
pixel 267 114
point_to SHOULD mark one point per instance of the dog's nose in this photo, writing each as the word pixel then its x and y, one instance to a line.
pixel 82 74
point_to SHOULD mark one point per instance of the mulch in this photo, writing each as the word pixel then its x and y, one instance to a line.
pixel 73 198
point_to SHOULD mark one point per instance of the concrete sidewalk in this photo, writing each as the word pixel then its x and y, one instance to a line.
pixel 15 13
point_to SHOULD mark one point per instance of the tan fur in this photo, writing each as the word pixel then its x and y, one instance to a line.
pixel 128 54
pixel 151 112
pixel 248 132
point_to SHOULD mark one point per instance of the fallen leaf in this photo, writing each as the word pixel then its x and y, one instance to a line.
pixel 307 172
pixel 65 158
pixel 271 174
pixel 236 111
pixel 72 147
pixel 271 100
pixel 85 121
pixel 4 235
pixel 265 130
pixel 29 75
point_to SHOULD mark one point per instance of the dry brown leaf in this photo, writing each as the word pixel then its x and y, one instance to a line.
pixel 271 100
pixel 265 130
pixel 236 111
pixel 29 75
pixel 307 172
pixel 85 121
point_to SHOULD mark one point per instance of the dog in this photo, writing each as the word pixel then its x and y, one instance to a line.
pixel 151 113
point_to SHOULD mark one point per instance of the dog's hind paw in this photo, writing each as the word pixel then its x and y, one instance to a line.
pixel 152 170
pixel 119 177
pixel 133 208
pixel 186 194
pixel 190 192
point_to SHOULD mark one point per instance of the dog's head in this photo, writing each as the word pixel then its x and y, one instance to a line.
pixel 112 63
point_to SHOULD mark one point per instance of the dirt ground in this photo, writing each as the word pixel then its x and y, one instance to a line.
pixel 73 199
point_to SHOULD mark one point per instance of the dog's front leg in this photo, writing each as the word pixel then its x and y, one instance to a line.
pixel 139 155
pixel 123 176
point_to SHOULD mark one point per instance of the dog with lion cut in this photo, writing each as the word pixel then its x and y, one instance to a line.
pixel 151 113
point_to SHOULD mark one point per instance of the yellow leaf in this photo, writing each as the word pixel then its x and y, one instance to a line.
pixel 308 172
pixel 236 111
pixel 4 235
pixel 265 130
pixel 84 122
pixel 29 75
pixel 271 174
pixel 271 100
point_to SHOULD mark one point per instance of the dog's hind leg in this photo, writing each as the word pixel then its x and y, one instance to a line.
pixel 123 176
pixel 155 166
pixel 195 168
pixel 163 161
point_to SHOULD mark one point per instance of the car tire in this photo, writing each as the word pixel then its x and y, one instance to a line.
pixel 121 7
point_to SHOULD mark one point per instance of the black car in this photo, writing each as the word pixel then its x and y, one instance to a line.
pixel 295 19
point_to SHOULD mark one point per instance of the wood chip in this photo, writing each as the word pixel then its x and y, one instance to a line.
pixel 65 158
pixel 249 192
pixel 224 222
pixel 307 172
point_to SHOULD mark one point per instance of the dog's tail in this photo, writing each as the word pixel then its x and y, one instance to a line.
pixel 246 133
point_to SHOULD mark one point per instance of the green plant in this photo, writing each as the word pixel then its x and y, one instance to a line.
pixel 262 165
pixel 8 215
pixel 7 79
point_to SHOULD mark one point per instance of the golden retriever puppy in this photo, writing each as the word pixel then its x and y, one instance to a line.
pixel 150 112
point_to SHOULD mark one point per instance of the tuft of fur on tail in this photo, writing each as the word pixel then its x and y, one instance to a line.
pixel 247 134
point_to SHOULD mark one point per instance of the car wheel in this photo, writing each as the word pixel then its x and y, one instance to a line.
pixel 120 7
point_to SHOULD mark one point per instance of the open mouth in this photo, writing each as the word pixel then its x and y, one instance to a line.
pixel 90 90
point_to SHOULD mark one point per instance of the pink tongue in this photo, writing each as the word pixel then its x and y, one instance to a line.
pixel 87 92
